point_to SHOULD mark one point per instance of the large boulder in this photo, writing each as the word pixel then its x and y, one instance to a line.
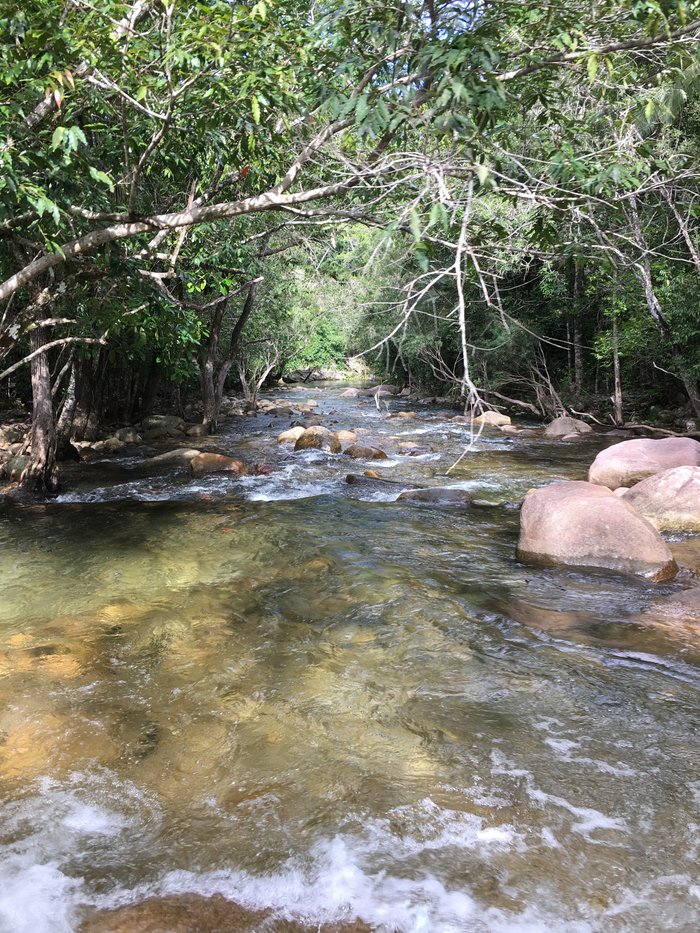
pixel 669 500
pixel 632 461
pixel 216 463
pixel 438 495
pixel 577 524
pixel 318 438
pixel 352 392
pixel 492 419
pixel 560 427
pixel 360 452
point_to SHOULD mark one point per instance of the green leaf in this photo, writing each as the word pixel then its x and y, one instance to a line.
pixel 102 177
pixel 58 137
pixel 255 108
pixel 592 66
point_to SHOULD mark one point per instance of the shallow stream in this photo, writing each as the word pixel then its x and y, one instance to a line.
pixel 307 696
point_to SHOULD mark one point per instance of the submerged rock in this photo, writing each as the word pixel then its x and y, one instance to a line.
pixel 360 452
pixel 194 913
pixel 318 438
pixel 632 461
pixel 179 457
pixel 216 463
pixel 669 500
pixel 580 525
pixel 563 426
pixel 352 393
pixel 439 495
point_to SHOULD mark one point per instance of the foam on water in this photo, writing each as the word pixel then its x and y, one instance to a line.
pixel 39 838
pixel 371 875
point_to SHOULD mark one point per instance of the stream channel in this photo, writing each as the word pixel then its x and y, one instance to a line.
pixel 308 697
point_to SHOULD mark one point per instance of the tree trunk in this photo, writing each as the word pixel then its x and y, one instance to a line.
pixel 40 475
pixel 64 428
pixel 617 391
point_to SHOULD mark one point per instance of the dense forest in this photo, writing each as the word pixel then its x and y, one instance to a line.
pixel 492 200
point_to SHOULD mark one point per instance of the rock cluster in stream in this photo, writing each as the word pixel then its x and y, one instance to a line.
pixel 604 524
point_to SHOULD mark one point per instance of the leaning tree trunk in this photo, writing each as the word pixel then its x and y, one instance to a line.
pixel 64 427
pixel 40 475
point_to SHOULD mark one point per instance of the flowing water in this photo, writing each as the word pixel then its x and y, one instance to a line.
pixel 309 697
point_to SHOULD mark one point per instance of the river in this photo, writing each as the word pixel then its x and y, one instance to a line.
pixel 309 697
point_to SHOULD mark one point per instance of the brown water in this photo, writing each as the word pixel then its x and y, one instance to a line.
pixel 336 706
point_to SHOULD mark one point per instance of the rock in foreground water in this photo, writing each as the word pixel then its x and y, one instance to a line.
pixel 580 525
pixel 632 461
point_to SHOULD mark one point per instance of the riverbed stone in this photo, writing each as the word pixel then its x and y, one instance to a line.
pixel 319 438
pixel 346 437
pixel 163 422
pixel 352 392
pixel 630 462
pixel 291 436
pixel 492 419
pixel 565 425
pixel 12 434
pixel 361 452
pixel 128 435
pixel 182 456
pixel 581 525
pixel 382 390
pixel 195 913
pixel 198 430
pixel 438 495
pixel 669 500
pixel 216 463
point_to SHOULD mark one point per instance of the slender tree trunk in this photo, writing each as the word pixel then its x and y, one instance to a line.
pixel 617 391
pixel 64 428
pixel 40 475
